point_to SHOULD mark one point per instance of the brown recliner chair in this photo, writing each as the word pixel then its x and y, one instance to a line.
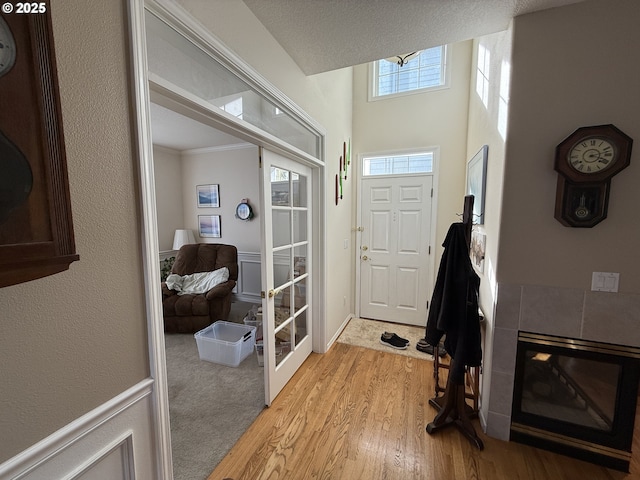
pixel 191 313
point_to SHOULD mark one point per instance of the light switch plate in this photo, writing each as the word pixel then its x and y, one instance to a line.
pixel 605 282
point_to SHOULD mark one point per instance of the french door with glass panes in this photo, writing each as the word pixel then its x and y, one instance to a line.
pixel 286 268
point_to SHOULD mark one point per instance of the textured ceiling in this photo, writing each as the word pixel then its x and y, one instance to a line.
pixel 324 35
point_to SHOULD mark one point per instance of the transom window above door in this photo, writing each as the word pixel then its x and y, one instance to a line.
pixel 398 164
pixel 415 73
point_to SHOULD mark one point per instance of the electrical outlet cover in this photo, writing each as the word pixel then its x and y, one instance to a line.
pixel 605 282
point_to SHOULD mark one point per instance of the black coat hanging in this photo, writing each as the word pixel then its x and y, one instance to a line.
pixel 454 305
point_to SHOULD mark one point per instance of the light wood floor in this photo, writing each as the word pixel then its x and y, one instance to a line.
pixel 355 413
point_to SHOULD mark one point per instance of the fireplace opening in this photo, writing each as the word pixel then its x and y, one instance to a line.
pixel 576 397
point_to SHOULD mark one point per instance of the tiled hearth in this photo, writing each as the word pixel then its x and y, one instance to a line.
pixel 567 312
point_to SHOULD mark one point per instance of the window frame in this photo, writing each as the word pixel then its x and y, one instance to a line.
pixel 483 74
pixel 433 150
pixel 373 79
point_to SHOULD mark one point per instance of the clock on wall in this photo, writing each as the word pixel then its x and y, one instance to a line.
pixel 585 161
pixel 36 228
pixel 244 210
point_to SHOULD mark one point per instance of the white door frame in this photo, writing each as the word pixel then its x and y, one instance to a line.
pixel 434 220
pixel 183 103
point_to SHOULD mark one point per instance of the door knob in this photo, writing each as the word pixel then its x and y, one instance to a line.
pixel 364 257
pixel 365 248
pixel 273 293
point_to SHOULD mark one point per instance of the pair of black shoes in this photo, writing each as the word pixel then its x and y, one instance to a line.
pixel 392 340
pixel 423 346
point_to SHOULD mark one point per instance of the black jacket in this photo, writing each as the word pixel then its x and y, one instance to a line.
pixel 454 304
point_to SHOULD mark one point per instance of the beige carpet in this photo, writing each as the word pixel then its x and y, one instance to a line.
pixel 366 333
pixel 210 406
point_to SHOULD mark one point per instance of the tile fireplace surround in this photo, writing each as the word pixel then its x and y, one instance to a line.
pixel 566 312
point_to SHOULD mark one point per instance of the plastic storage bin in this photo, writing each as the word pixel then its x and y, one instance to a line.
pixel 260 353
pixel 226 343
pixel 257 324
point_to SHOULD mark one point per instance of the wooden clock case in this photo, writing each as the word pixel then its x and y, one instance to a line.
pixel 582 199
pixel 36 228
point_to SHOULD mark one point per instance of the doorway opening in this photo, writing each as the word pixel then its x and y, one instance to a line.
pixel 186 154
pixel 213 60
pixel 158 81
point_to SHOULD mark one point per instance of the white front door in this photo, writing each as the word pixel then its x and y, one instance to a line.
pixel 395 282
pixel 286 268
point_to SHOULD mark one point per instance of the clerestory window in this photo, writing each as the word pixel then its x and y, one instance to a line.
pixel 398 164
pixel 424 71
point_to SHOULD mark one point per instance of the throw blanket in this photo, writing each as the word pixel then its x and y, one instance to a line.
pixel 195 283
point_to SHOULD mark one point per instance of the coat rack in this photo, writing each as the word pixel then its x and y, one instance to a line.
pixel 452 406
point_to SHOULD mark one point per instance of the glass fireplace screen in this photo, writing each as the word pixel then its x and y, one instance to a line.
pixel 576 397
pixel 575 390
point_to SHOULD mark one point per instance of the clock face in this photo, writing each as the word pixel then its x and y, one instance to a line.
pixel 592 155
pixel 7 48
pixel 243 211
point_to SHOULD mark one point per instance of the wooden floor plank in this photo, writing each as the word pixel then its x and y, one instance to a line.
pixel 355 413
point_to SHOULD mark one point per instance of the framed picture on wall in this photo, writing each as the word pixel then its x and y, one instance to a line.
pixel 477 183
pixel 209 226
pixel 478 247
pixel 208 195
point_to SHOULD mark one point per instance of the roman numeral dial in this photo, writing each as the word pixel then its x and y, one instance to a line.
pixel 591 155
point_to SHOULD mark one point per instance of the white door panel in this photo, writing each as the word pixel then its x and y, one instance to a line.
pixel 407 293
pixel 394 258
pixel 380 195
pixel 409 228
pixel 379 285
pixel 380 230
pixel 411 193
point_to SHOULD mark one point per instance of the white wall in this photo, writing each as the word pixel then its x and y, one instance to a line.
pixel 167 169
pixel 434 118
pixel 487 126
pixel 236 172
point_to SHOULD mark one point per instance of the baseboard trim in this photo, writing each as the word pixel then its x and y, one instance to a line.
pixel 482 419
pixel 342 327
pixel 31 458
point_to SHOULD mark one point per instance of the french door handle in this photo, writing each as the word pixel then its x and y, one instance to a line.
pixel 273 293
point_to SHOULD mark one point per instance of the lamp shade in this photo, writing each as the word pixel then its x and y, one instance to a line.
pixel 182 237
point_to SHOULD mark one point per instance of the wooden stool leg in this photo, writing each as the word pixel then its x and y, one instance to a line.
pixel 454 411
